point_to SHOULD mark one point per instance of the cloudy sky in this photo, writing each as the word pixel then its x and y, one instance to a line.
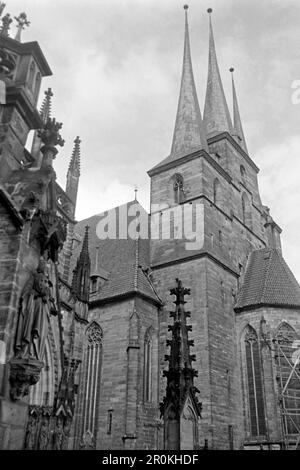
pixel 116 74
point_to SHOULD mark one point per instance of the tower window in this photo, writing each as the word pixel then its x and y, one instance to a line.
pixel 37 85
pixel 94 284
pixel 31 75
pixel 93 359
pixel 217 192
pixel 109 421
pixel 220 237
pixel 255 384
pixel 243 171
pixel 147 366
pixel 178 189
pixel 246 211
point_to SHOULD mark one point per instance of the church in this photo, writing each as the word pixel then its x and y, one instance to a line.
pixel 122 331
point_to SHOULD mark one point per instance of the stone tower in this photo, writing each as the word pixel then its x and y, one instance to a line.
pixel 209 170
pixel 25 66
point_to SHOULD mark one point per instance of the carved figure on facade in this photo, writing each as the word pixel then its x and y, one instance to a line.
pixel 36 306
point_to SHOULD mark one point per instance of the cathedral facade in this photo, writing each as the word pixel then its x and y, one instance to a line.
pixel 143 338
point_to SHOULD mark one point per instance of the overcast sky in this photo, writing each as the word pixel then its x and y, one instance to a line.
pixel 116 75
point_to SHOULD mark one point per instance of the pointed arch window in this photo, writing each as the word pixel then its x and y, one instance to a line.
pixel 246 211
pixel 178 188
pixel 92 367
pixel 243 171
pixel 217 192
pixel 148 366
pixel 287 344
pixel 254 384
pixel 37 85
pixel 31 75
pixel 189 429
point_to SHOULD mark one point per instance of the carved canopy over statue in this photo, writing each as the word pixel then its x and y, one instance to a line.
pixel 36 306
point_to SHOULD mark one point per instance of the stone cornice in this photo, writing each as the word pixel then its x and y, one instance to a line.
pixel 227 136
pixel 26 48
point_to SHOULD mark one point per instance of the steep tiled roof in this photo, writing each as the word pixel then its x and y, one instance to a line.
pixel 123 259
pixel 268 281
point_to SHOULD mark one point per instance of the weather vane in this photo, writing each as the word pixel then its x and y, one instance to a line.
pixel 22 22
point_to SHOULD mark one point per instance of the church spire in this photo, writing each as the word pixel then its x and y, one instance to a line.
pixel 45 114
pixel 237 122
pixel 189 134
pixel 74 173
pixel 74 165
pixel 81 274
pixel 216 114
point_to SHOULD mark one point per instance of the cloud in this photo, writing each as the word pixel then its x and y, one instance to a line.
pixel 117 67
pixel 279 188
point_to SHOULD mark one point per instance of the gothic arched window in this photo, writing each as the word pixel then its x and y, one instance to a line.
pixel 243 171
pixel 217 191
pixel 178 188
pixel 246 210
pixel 287 344
pixel 189 429
pixel 254 384
pixel 148 365
pixel 92 364
pixel 37 85
pixel 31 75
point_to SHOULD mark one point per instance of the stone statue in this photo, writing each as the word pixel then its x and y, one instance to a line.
pixel 58 437
pixel 36 306
pixel 67 429
pixel 30 433
pixel 43 436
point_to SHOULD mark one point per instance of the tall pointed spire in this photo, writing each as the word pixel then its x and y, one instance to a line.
pixel 216 114
pixel 74 173
pixel 74 165
pixel 45 114
pixel 81 274
pixel 237 122
pixel 189 134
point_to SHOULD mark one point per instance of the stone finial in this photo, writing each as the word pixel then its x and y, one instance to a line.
pixel 22 22
pixel 50 135
pixel 6 22
pixel 2 6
